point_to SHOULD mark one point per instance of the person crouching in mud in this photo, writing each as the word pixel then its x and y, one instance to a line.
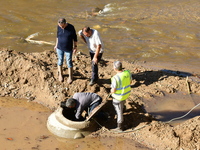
pixel 80 102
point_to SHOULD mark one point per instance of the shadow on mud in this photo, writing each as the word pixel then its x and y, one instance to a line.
pixel 149 77
pixel 133 115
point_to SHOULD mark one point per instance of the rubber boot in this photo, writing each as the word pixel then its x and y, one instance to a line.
pixel 70 78
pixel 60 74
pixel 118 129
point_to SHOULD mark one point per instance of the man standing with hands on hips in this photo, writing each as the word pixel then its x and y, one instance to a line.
pixel 95 45
pixel 120 89
pixel 66 44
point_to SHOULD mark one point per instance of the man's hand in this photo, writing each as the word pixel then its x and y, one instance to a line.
pixel 95 60
pixel 55 47
pixel 75 50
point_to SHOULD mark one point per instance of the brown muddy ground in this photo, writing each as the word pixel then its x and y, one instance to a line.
pixel 33 76
pixel 23 127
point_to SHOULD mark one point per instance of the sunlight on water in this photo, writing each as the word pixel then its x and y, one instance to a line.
pixel 160 30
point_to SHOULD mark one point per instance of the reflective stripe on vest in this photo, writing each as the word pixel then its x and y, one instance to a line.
pixel 123 89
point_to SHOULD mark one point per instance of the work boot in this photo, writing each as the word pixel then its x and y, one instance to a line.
pixel 118 129
pixel 92 82
pixel 60 74
pixel 70 78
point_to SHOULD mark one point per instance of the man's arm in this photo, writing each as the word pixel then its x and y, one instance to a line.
pixel 56 44
pixel 75 46
pixel 82 36
pixel 96 54
pixel 113 86
pixel 113 90
pixel 131 78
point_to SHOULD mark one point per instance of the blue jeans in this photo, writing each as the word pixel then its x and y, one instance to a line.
pixel 95 69
pixel 61 53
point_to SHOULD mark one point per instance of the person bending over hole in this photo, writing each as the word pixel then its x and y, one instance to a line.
pixel 80 102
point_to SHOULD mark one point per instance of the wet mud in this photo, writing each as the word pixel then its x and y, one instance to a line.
pixel 33 76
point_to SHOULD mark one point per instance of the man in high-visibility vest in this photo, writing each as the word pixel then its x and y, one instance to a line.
pixel 120 89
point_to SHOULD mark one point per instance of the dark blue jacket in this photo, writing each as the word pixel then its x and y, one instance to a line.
pixel 66 37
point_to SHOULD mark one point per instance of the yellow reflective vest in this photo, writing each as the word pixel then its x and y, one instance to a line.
pixel 123 89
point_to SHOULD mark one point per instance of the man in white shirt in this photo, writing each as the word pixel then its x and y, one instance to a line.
pixel 95 45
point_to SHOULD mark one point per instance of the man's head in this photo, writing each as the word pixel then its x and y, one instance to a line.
pixel 117 65
pixel 62 22
pixel 68 103
pixel 87 31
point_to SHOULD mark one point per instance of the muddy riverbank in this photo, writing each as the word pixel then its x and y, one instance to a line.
pixel 33 76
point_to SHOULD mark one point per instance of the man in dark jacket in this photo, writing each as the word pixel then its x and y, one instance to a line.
pixel 66 44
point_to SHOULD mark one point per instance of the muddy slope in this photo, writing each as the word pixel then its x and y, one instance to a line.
pixel 34 76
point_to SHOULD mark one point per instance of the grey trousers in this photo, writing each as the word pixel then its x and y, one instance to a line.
pixel 119 106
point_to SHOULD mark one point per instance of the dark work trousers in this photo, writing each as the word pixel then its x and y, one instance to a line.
pixel 94 105
pixel 95 76
pixel 91 107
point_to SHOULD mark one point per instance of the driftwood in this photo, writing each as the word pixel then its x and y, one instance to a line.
pixel 29 39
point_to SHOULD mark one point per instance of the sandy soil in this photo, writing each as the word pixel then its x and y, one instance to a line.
pixel 34 76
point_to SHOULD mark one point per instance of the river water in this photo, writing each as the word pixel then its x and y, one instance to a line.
pixel 160 31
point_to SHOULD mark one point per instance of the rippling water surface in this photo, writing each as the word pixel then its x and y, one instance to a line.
pixel 162 31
